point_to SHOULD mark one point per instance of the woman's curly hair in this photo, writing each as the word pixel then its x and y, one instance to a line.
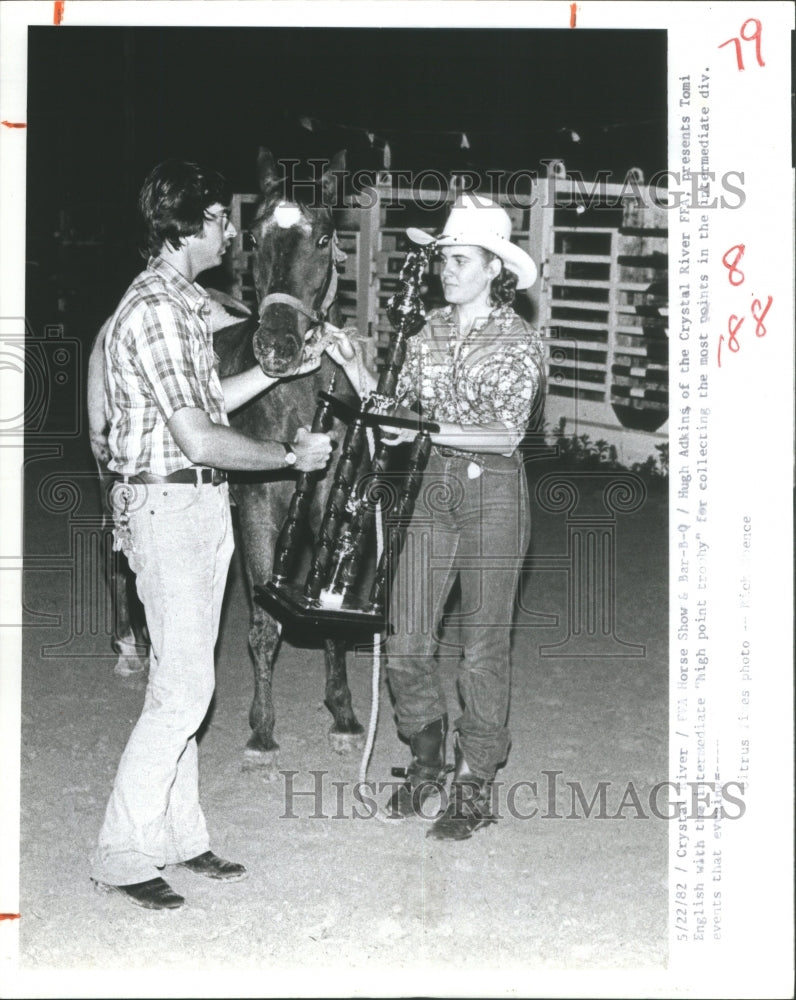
pixel 503 289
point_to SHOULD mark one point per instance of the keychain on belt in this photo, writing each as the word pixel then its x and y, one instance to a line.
pixel 122 538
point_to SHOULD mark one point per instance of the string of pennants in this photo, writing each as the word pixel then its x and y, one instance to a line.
pixel 378 140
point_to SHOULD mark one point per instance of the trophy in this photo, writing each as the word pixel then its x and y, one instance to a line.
pixel 347 580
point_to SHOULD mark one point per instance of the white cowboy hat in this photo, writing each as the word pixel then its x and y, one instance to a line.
pixel 478 222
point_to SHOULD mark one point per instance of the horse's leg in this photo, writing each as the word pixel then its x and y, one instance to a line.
pixel 132 637
pixel 261 751
pixel 255 520
pixel 346 733
pixel 129 640
pixel 124 641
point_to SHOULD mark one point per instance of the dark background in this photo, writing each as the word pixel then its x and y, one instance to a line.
pixel 106 104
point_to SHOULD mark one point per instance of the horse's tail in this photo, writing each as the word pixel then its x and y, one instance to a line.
pixel 95 399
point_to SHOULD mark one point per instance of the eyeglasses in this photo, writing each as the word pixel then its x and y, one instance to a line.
pixel 222 217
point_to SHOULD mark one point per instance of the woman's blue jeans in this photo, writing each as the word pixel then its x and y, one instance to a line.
pixel 476 528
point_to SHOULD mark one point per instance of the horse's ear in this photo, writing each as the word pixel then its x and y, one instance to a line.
pixel 334 178
pixel 267 176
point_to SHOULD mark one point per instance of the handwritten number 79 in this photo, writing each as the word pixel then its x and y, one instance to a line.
pixel 755 37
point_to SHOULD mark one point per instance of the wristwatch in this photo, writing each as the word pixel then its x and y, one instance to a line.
pixel 290 455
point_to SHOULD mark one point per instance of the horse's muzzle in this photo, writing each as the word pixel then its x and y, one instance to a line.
pixel 279 343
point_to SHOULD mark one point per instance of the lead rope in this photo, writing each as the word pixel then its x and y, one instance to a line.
pixel 375 682
pixel 375 686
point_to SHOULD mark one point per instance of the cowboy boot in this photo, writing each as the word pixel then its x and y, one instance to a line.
pixel 425 774
pixel 469 803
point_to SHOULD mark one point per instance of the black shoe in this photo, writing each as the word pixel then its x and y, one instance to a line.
pixel 469 809
pixel 213 866
pixel 469 804
pixel 155 894
pixel 425 776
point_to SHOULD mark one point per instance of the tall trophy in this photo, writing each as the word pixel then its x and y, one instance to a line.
pixel 348 577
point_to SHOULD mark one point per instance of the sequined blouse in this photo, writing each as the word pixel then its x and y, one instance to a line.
pixel 493 373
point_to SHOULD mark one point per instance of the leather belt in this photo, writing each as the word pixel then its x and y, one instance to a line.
pixel 194 476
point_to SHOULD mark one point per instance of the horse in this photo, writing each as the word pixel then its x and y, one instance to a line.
pixel 295 259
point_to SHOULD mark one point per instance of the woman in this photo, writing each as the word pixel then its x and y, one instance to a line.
pixel 476 368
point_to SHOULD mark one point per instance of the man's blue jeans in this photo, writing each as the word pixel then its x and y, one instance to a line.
pixel 477 527
pixel 179 545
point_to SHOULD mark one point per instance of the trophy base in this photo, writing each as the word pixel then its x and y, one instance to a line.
pixel 287 602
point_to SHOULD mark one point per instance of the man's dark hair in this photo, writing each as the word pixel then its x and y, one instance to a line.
pixel 173 202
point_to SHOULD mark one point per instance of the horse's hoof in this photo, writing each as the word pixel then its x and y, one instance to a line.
pixel 345 743
pixel 264 762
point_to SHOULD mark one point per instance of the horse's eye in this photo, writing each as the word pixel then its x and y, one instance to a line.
pixel 324 241
pixel 249 240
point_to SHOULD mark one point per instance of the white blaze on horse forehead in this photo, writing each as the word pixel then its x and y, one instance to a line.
pixel 287 214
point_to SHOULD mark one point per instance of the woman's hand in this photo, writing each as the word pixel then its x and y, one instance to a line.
pixel 392 436
pixel 340 346
pixel 347 349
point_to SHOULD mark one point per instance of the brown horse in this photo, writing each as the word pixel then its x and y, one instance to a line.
pixel 295 257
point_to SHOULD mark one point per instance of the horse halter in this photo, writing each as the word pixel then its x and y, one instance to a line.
pixel 282 298
pixel 316 316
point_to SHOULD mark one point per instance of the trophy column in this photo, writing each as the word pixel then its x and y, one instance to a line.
pixel 329 595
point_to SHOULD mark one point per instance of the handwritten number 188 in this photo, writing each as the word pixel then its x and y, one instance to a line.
pixel 755 37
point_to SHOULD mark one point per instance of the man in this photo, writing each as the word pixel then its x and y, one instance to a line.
pixel 168 440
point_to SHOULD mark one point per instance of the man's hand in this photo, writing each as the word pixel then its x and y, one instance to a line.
pixel 312 450
pixel 308 364
pixel 220 447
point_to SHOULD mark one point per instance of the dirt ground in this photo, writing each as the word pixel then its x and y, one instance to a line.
pixel 369 908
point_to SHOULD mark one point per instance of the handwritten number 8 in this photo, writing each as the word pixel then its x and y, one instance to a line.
pixel 755 37
pixel 759 315
pixel 734 324
pixel 731 261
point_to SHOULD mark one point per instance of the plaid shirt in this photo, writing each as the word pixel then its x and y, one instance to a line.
pixel 159 358
pixel 493 374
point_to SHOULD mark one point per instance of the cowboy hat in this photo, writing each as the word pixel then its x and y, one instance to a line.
pixel 479 222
